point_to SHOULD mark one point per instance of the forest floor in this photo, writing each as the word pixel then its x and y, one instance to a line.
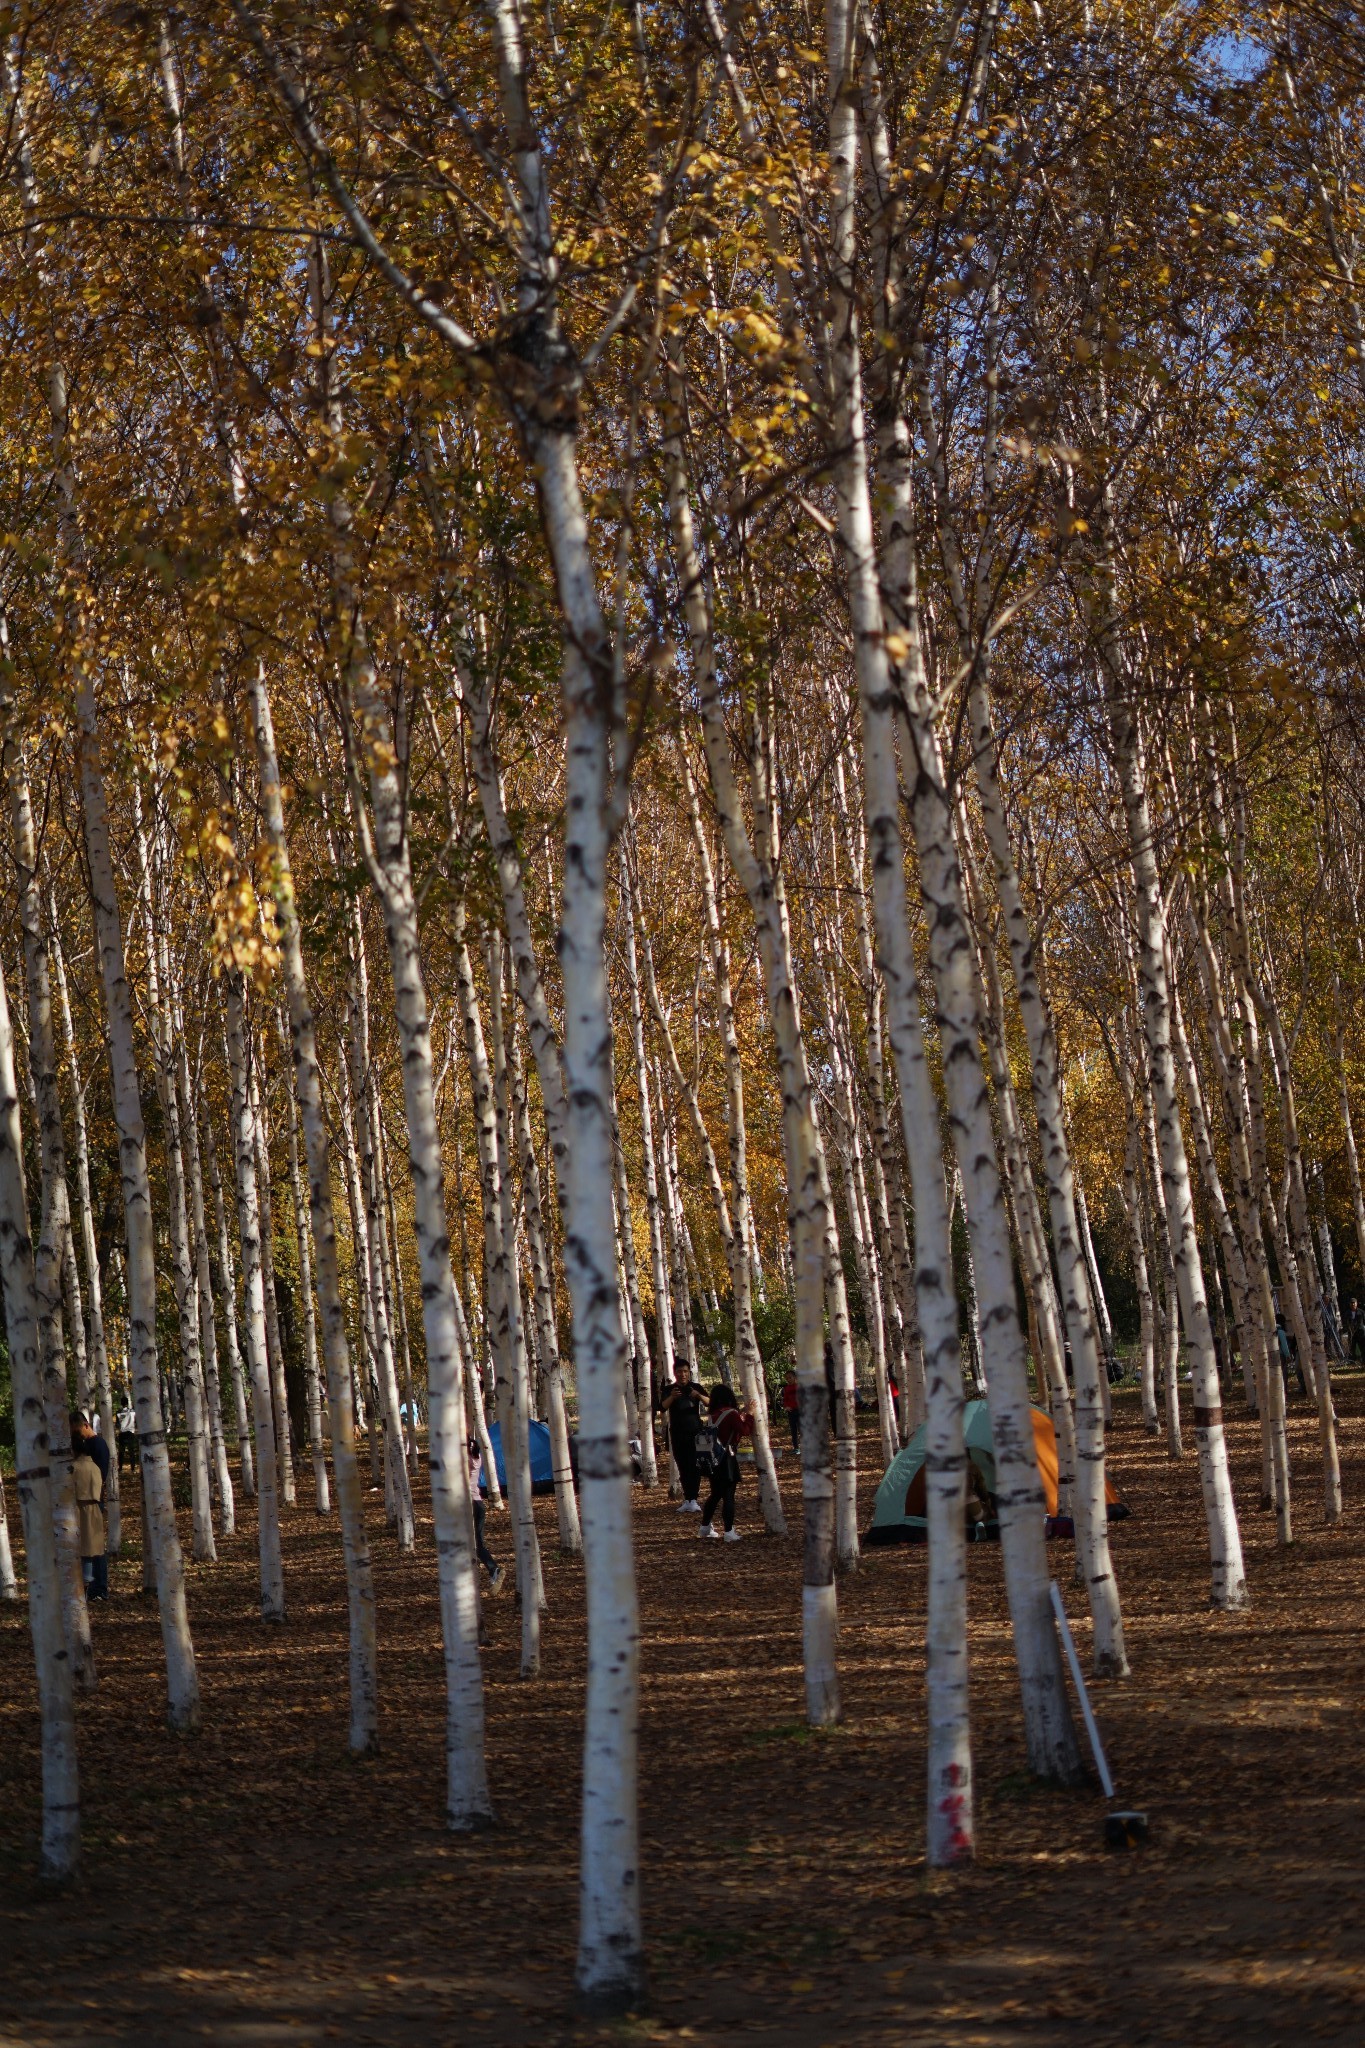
pixel 254 1886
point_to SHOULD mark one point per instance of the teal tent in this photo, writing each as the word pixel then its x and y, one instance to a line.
pixel 899 1511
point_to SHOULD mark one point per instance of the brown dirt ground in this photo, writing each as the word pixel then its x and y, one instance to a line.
pixel 254 1886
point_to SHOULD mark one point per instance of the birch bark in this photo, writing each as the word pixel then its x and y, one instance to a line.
pixel 61 1826
pixel 566 1503
pixel 279 1392
pixel 253 1286
pixel 322 1492
pixel 163 1540
pixel 805 1206
pixel 732 1239
pixel 80 1154
pixel 202 1548
pixel 364 1690
pixel 203 1283
pixel 502 1314
pixel 55 1225
pixel 389 860
pixel 1229 1587
pixel 398 1488
pixel 513 1387
pixel 226 1289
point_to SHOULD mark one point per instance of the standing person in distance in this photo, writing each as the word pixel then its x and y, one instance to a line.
pixel 729 1424
pixel 681 1407
pixel 126 1424
pixel 89 1488
pixel 86 1440
pixel 496 1572
pixel 791 1406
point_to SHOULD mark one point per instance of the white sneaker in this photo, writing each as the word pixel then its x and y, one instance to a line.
pixel 709 1529
pixel 732 1536
pixel 685 1507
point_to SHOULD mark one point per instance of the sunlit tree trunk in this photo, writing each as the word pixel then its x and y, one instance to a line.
pixel 61 1829
pixel 364 1701
pixel 80 1155
pixel 502 1305
pixel 732 1238
pixel 1298 1222
pixel 951 1821
pixel 202 1546
pixel 398 1489
pixel 643 1387
pixel 663 1307
pixel 226 1288
pixel 1229 1588
pixel 1032 1243
pixel 203 1282
pixel 9 1584
pixel 322 1492
pixel 566 1503
pixel 279 1393
pixel 510 1351
pixel 1349 1138
pixel 394 1261
pixel 55 1227
pixel 163 1540
pixel 1141 1280
pixel 253 1287
pixel 805 1204
pixel 373 765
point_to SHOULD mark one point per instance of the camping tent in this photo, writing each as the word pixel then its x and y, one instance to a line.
pixel 542 1471
pixel 898 1514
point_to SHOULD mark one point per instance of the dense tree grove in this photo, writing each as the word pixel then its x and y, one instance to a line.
pixel 678 683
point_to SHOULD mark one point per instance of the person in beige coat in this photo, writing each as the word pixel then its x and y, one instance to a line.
pixel 90 1510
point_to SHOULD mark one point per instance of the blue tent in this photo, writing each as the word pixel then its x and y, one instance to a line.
pixel 542 1471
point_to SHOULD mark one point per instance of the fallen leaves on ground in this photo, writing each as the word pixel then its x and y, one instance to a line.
pixel 254 1885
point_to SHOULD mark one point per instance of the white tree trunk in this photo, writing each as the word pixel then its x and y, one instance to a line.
pixel 502 1305
pixel 1298 1222
pixel 202 1546
pixel 226 1285
pixel 163 1539
pixel 513 1383
pixel 1229 1587
pixel 208 1334
pixel 322 1491
pixel 253 1283
pixel 9 1584
pixel 1064 1202
pixel 805 1205
pixel 398 1488
pixel 61 1835
pixel 951 1826
pixel 80 1154
pixel 279 1393
pixel 733 1239
pixel 1349 1140
pixel 643 1387
pixel 388 856
pixel 55 1229
pixel 1141 1278
pixel 364 1691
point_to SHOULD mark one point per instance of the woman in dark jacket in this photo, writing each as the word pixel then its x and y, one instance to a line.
pixel 728 1426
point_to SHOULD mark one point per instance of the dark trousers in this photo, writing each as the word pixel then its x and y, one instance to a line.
pixel 481 1550
pixel 685 1458
pixel 99 1576
pixel 127 1448
pixel 722 1495
pixel 794 1424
